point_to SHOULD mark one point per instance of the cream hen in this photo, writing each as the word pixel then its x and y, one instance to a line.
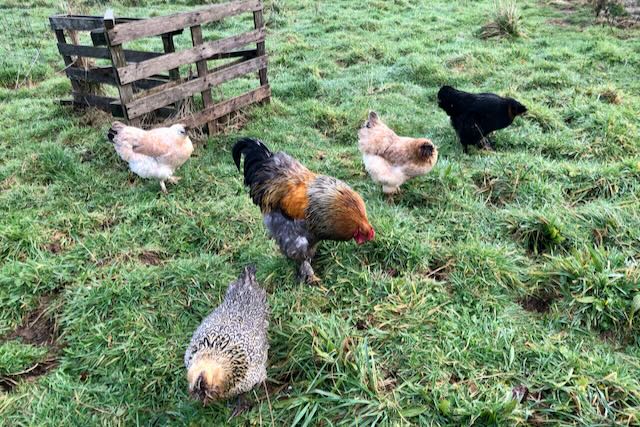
pixel 390 159
pixel 154 154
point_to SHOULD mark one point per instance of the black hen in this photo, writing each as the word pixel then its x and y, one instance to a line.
pixel 475 116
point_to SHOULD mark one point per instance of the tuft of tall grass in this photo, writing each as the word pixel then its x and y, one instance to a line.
pixel 507 21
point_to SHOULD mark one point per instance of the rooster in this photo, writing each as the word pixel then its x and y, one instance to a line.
pixel 299 207
pixel 475 116
pixel 391 159
pixel 153 154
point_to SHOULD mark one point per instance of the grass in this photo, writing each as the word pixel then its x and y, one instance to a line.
pixel 502 288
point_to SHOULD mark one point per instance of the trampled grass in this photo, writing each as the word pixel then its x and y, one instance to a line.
pixel 502 288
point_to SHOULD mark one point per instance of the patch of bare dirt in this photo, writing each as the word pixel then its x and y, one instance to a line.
pixel 39 329
pixel 537 303
pixel 150 258
pixel 439 270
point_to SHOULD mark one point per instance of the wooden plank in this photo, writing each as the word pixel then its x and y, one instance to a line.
pixel 207 99
pixel 258 22
pixel 225 107
pixel 118 59
pixel 169 47
pixel 103 52
pixel 81 22
pixel 75 22
pixel 147 68
pixel 164 24
pixel 105 75
pixel 145 104
pixel 68 61
pixel 98 37
pixel 98 101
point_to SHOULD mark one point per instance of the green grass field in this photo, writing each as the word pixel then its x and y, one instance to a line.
pixel 502 288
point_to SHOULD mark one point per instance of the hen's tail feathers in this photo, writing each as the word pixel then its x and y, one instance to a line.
pixel 372 121
pixel 255 154
pixel 113 131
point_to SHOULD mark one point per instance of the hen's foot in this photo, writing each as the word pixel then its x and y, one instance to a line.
pixel 163 187
pixel 174 179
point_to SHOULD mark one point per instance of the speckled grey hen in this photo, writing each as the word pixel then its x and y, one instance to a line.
pixel 227 355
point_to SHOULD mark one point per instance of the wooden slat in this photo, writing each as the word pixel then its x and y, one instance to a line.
pixel 146 104
pixel 101 102
pixel 75 22
pixel 98 37
pixel 118 59
pixel 103 52
pixel 105 75
pixel 147 68
pixel 81 22
pixel 169 47
pixel 258 22
pixel 68 61
pixel 226 107
pixel 207 99
pixel 163 24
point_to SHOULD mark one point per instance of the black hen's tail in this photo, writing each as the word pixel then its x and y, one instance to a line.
pixel 255 155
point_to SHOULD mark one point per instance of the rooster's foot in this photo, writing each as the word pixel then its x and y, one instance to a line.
pixel 306 274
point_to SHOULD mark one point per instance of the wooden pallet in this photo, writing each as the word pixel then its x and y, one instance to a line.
pixel 150 82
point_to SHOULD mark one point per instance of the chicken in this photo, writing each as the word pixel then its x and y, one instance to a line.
pixel 475 116
pixel 227 355
pixel 153 154
pixel 390 159
pixel 299 207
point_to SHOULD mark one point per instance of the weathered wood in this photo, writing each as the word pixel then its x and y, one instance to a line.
pixel 105 75
pixel 103 52
pixel 258 22
pixel 152 66
pixel 97 101
pixel 119 60
pixel 225 107
pixel 145 104
pixel 169 47
pixel 98 37
pixel 68 61
pixel 207 100
pixel 75 22
pixel 164 24
pixel 81 22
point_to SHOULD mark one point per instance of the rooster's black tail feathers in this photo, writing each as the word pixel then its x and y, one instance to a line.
pixel 255 154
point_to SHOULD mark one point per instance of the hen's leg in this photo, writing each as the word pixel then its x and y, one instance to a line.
pixel 486 144
pixel 241 405
pixel 306 274
pixel 163 187
pixel 174 179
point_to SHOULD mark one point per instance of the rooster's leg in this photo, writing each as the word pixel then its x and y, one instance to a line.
pixel 306 274
pixel 163 187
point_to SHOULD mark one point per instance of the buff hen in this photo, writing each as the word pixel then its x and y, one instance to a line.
pixel 390 159
pixel 154 154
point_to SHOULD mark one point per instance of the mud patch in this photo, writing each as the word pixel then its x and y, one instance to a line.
pixel 150 258
pixel 38 329
pixel 537 303
pixel 439 269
